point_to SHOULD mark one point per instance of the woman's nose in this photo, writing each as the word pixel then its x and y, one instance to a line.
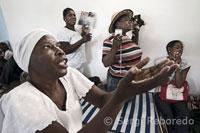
pixel 59 51
pixel 73 16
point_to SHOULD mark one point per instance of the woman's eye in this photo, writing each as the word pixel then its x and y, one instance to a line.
pixel 58 45
pixel 47 47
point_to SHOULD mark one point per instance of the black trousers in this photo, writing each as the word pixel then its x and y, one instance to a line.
pixel 176 115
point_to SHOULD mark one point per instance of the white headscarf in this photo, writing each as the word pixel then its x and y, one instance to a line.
pixel 23 49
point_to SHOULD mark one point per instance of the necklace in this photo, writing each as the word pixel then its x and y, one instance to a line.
pixel 120 58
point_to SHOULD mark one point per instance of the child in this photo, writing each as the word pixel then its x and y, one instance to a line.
pixel 174 111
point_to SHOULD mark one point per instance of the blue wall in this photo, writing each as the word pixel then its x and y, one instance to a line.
pixel 3 29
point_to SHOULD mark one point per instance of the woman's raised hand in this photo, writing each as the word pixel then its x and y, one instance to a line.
pixel 139 80
pixel 117 41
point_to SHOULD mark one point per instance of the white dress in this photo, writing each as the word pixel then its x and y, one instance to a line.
pixel 25 109
pixel 78 57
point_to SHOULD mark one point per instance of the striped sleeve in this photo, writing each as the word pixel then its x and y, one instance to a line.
pixel 107 45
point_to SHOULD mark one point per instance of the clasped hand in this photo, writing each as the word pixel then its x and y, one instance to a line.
pixel 87 37
pixel 117 41
pixel 85 33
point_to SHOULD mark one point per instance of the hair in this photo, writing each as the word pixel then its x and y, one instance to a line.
pixel 66 10
pixel 171 44
pixel 5 45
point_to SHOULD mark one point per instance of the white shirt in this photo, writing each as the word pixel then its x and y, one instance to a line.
pixel 78 57
pixel 25 109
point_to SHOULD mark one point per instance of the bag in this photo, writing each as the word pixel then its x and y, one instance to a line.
pixel 171 94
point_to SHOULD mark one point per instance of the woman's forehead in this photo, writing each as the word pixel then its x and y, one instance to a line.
pixel 71 12
pixel 47 39
pixel 178 43
pixel 124 17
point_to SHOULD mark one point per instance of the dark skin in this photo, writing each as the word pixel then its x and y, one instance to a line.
pixel 70 20
pixel 126 25
pixel 43 54
pixel 3 48
pixel 46 79
pixel 135 31
pixel 175 54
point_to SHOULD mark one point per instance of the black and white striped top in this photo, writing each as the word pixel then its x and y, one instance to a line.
pixel 127 56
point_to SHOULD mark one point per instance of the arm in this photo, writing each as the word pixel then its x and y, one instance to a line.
pixel 180 77
pixel 101 97
pixel 127 88
pixel 136 33
pixel 110 57
pixel 67 48
pixel 70 48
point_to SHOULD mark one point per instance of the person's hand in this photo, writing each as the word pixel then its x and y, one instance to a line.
pixel 117 41
pixel 177 57
pixel 87 37
pixel 150 71
pixel 85 30
pixel 139 80
pixel 135 25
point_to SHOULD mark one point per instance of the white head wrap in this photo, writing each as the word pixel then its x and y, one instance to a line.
pixel 23 49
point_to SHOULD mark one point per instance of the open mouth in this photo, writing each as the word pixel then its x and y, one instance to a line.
pixel 63 63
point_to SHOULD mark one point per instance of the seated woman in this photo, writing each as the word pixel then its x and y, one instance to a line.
pixel 174 108
pixel 49 102
pixel 9 70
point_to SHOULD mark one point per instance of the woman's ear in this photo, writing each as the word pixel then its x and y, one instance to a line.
pixel 169 50
pixel 117 25
pixel 64 18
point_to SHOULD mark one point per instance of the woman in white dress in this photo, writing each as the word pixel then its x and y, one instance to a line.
pixel 49 102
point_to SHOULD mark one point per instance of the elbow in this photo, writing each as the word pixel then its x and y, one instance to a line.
pixel 105 64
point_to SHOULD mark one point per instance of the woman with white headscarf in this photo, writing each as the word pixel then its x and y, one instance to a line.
pixel 49 102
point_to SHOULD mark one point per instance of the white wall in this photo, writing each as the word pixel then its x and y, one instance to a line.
pixel 165 20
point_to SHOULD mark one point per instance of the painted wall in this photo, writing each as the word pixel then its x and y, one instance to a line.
pixel 166 20
pixel 3 29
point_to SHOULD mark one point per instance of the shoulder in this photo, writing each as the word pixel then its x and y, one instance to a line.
pixel 64 34
pixel 21 94
pixel 63 30
pixel 109 39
